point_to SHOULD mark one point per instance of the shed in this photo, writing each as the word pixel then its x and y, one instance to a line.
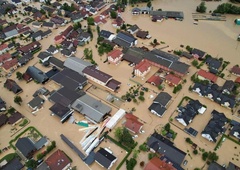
pixel 113 121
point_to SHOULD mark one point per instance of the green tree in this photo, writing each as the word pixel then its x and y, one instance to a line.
pixel 167 127
pixel 201 8
pixel 18 100
pixel 11 110
pixel 155 41
pixel 195 63
pixel 131 164
pixel 118 133
pixel 205 156
pixel 149 4
pixel 77 25
pixel 31 163
pixel 195 152
pixel 90 21
pixel 135 153
pixel 113 14
pixel 143 147
pixel 141 98
pixel 19 75
pixel 98 30
pixel 212 156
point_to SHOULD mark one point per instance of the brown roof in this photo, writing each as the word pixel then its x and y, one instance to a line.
pixel 142 34
pixel 119 21
pixel 115 53
pixel 236 70
pixel 142 66
pixel 9 64
pixel 57 161
pixel 158 164
pixel 3 46
pixel 2 22
pixel 237 80
pixel 67 31
pixel 3 119
pixel 27 48
pixel 113 84
pixel 173 79
pixel 207 75
pixel 99 19
pixel 132 123
pixel 5 57
pixel 27 77
pixel 155 79
pixel 97 74
pixel 15 117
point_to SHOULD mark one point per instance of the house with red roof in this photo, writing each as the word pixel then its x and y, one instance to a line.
pixel 4 58
pixel 3 48
pixel 115 56
pixel 155 80
pixel 10 65
pixel 99 20
pixel 237 80
pixel 204 75
pixel 59 39
pixel 58 161
pixel 30 48
pixel 157 164
pixel 118 22
pixel 105 13
pixel 235 70
pixel 132 123
pixel 172 80
pixel 142 68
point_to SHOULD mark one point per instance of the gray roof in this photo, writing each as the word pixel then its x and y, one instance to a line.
pixel 42 55
pixel 105 33
pixel 36 102
pixel 76 64
pixel 164 146
pixel 40 143
pixel 92 108
pixel 215 166
pixel 11 33
pixel 133 28
pixel 25 146
pixel 43 166
pixel 168 14
pixel 104 158
pixel 163 98
pixel 37 74
pixel 37 34
pixel 13 164
pixel 47 24
pixel 61 111
pixel 56 62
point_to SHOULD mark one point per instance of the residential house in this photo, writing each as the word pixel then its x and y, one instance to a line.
pixel 107 35
pixel 235 70
pixel 58 161
pixel 58 21
pixel 61 111
pixel 16 2
pixel 25 147
pixel 56 4
pixel 13 164
pixel 186 55
pixel 136 11
pixel 59 39
pixel 155 80
pixel 11 85
pixel 50 11
pixel 10 66
pixel 4 58
pixel 30 48
pixel 3 119
pixel 98 5
pixel 214 64
pixel 38 16
pixel 133 124
pixel 215 166
pixel 215 126
pixel 99 20
pixel 114 56
pixel 67 31
pixel 235 129
pixel 118 22
pixel 133 29
pixel 142 68
pixel 163 146
pixel 124 39
pixel 237 80
pixel 70 79
pixel 3 48
pixel 84 37
pixel 76 17
pixel 228 86
pixel 160 104
pixel 48 25
pixel 15 118
pixel 3 22
pixel 37 36
pixel 10 31
pixel 172 80
pixel 143 34
pixel 101 78
pixel 36 24
pixel 105 13
pixel 204 75
pixel 232 166
pixel 56 62
pixel 178 15
pixel 52 49
pixel 199 54
pixel 187 113
pixel 92 108
pixel 66 52
pixel 104 158
pixel 44 56
pixel 37 74
pixel 25 59
pixel 76 64
pixel 2 105
pixel 36 103
pixel 157 164
pixel 46 33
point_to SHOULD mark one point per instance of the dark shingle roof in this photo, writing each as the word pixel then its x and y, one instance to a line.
pixel 25 146
pixel 104 158
pixel 163 98
pixel 37 74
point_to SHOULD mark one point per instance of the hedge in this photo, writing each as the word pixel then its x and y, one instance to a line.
pixel 118 144
pixel 184 98
pixel 13 140
pixel 225 136
pixel 9 157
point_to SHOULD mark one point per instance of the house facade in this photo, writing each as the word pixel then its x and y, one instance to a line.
pixel 115 56
pixel 142 68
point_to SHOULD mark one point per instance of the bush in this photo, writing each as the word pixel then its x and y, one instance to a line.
pixel 151 155
pixel 188 140
pixel 195 63
pixel 143 147
pixel 201 8
pixel 131 164
pixel 205 156
pixel 195 152
pixel 141 93
pixel 141 98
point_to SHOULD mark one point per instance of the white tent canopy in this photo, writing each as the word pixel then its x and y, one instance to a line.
pixel 113 121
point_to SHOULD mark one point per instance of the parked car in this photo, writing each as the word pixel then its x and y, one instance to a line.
pixel 185 163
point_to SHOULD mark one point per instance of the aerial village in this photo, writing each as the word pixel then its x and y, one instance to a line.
pixel 82 87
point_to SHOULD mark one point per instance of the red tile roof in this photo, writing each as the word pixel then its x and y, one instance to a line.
pixel 236 70
pixel 99 19
pixel 58 37
pixel 132 123
pixel 143 66
pixel 115 53
pixel 173 79
pixel 67 31
pixel 9 64
pixel 27 48
pixel 155 79
pixel 158 164
pixel 58 160
pixel 237 80
pixel 3 46
pixel 207 75
pixel 5 57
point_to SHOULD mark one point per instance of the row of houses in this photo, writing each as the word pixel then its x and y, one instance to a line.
pixel 13 119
